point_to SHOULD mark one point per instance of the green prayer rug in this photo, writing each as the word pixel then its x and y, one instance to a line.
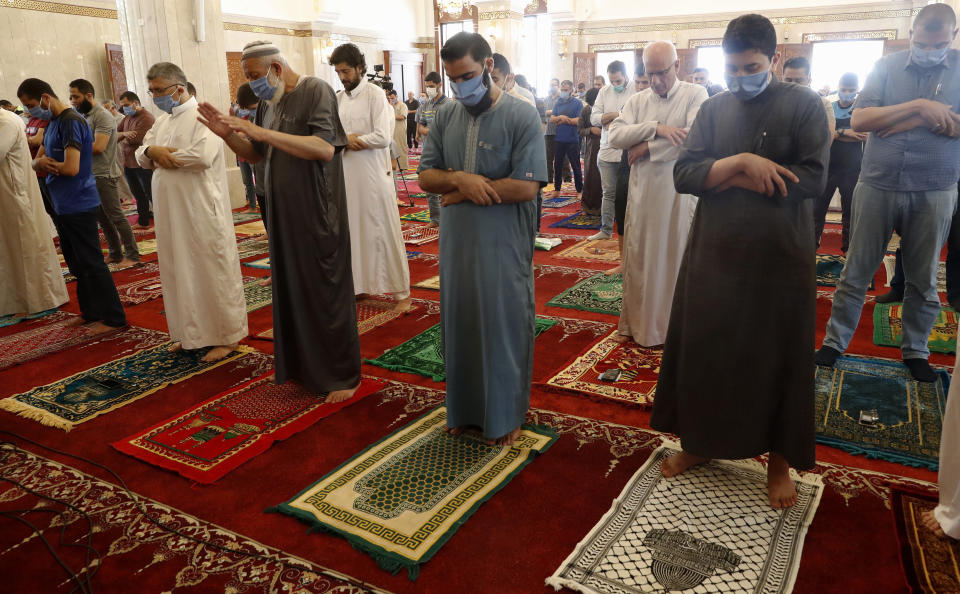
pixel 875 408
pixel 423 354
pixel 421 216
pixel 599 293
pixel 257 296
pixel 245 217
pixel 401 499
pixel 83 396
pixel 888 328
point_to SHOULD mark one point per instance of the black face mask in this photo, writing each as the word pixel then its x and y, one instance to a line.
pixel 485 103
pixel 85 106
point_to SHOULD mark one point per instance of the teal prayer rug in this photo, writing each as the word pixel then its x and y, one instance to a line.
pixel 599 293
pixel 257 296
pixel 579 221
pixel 401 499
pixel 66 403
pixel 829 269
pixel 875 408
pixel 423 354
pixel 421 216
pixel 13 319
pixel 262 264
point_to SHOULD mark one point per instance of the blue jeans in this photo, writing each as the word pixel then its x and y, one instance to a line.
pixel 923 219
pixel 246 172
pixel 608 182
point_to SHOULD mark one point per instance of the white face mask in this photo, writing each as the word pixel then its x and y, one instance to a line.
pixel 431 92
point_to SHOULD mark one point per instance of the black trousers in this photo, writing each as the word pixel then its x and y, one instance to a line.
pixel 262 203
pixel 47 200
pixel 620 198
pixel 80 244
pixel 412 134
pixel 139 180
pixel 845 181
pixel 564 152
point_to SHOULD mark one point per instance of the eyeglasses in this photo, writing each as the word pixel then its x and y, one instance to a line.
pixel 161 91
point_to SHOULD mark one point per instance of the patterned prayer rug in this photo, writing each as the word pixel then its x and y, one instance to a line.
pixel 888 328
pixel 431 283
pixel 13 319
pixel 829 269
pixel 43 340
pixel 875 408
pixel 371 313
pixel 252 246
pixel 412 255
pixel 930 563
pixel 420 234
pixel 257 296
pixel 214 437
pixel 423 354
pixel 579 221
pixel 710 529
pixel 421 216
pixel 143 285
pixel 263 264
pixel 637 383
pixel 560 201
pixel 599 250
pixel 403 497
pixel 66 403
pixel 245 217
pixel 251 229
pixel 144 246
pixel 599 293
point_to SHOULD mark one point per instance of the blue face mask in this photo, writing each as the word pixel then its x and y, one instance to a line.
pixel 928 58
pixel 748 86
pixel 564 95
pixel 262 87
pixel 166 102
pixel 619 88
pixel 847 97
pixel 470 92
pixel 244 113
pixel 130 111
pixel 41 113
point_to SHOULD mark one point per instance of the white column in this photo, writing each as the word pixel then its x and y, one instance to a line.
pixel 169 31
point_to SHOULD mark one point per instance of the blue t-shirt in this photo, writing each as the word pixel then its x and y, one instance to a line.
pixel 570 108
pixel 77 193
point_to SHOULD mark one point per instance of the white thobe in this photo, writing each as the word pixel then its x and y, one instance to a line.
pixel 948 511
pixel 32 279
pixel 609 101
pixel 196 244
pixel 658 219
pixel 378 256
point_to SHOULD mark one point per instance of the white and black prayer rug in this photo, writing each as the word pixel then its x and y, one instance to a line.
pixel 710 529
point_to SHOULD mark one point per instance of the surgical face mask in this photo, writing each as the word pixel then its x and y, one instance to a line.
pixel 40 112
pixel 564 95
pixel 748 86
pixel 431 92
pixel 129 110
pixel 423 98
pixel 928 58
pixel 264 88
pixel 847 97
pixel 471 92
pixel 619 88
pixel 166 102
pixel 246 113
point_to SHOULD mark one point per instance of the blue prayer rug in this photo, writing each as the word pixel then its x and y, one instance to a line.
pixel 579 221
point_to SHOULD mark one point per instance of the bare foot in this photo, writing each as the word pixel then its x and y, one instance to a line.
pixel 403 305
pixel 680 463
pixel 622 339
pixel 249 210
pixel 218 352
pixel 266 282
pixel 100 328
pixel 780 488
pixel 508 439
pixel 617 270
pixel 175 347
pixel 127 263
pixel 930 522
pixel 454 430
pixel 341 395
pixel 109 260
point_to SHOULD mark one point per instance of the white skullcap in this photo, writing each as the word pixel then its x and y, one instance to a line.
pixel 259 49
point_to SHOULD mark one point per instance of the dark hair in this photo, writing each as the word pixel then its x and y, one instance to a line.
pixel 4 103
pixel 701 69
pixel 750 32
pixel 639 70
pixel 83 85
pixel 581 86
pixel 432 77
pixel 33 88
pixel 521 80
pixel 849 79
pixel 191 89
pixel 392 92
pixel 500 63
pixel 130 96
pixel 798 63
pixel 617 66
pixel 350 55
pixel 934 17
pixel 600 76
pixel 591 95
pixel 246 96
pixel 464 43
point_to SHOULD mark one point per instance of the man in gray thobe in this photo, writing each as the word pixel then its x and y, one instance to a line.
pixel 485 156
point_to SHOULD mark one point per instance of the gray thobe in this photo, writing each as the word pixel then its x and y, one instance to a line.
pixel 314 309
pixel 486 263
pixel 736 379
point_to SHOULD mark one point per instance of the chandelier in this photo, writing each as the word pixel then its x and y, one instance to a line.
pixel 454 8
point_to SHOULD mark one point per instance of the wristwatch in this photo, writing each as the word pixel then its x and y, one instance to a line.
pixel 841 131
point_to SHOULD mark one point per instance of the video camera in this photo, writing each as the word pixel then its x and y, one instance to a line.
pixel 379 79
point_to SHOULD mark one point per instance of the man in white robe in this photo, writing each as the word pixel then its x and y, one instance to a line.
pixel 944 520
pixel 652 127
pixel 379 259
pixel 196 244
pixel 32 279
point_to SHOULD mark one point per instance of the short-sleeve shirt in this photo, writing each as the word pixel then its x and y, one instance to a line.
pixel 428 110
pixel 102 122
pixel 77 193
pixel 916 160
pixel 412 106
pixel 548 104
pixel 570 108
pixel 844 155
pixel 33 128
